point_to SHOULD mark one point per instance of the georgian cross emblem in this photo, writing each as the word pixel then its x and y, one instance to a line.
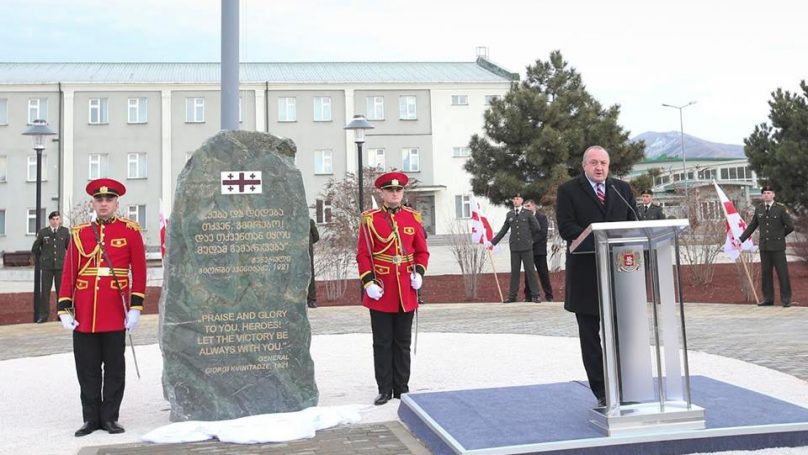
pixel 241 182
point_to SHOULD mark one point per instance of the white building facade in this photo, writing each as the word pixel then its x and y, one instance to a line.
pixel 140 122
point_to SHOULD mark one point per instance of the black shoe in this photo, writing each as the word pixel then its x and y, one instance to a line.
pixel 382 398
pixel 765 304
pixel 312 304
pixel 536 300
pixel 786 304
pixel 41 320
pixel 86 429
pixel 549 298
pixel 602 402
pixel 509 300
pixel 112 427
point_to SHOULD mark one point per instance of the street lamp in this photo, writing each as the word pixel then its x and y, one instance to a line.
pixel 359 124
pixel 38 130
pixel 682 132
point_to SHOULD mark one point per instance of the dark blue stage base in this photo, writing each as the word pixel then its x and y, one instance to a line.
pixel 553 419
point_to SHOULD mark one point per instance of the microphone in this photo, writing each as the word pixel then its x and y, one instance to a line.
pixel 630 207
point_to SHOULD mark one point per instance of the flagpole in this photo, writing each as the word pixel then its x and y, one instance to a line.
pixel 749 277
pixel 743 262
pixel 491 258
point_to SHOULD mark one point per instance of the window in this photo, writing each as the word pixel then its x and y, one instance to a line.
pixel 98 166
pixel 3 111
pixel 2 222
pixel 375 108
pixel 460 100
pixel 406 108
pixel 409 160
pixel 30 175
pixel 376 159
pixel 136 166
pixel 461 151
pixel 99 111
pixel 194 110
pixel 137 213
pixel 707 174
pixel 37 109
pixel 322 211
pixel 323 163
pixel 3 169
pixel 138 109
pixel 489 98
pixel 462 206
pixel 287 109
pixel 322 108
pixel 240 117
pixel 31 225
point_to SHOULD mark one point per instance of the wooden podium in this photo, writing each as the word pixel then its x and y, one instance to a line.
pixel 643 327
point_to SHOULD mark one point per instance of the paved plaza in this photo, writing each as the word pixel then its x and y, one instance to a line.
pixel 772 337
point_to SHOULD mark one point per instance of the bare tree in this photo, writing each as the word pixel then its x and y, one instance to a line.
pixel 335 253
pixel 470 257
pixel 703 242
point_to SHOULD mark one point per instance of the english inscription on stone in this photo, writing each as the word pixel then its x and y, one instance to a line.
pixel 233 328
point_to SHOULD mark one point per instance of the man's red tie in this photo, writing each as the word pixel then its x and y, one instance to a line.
pixel 601 195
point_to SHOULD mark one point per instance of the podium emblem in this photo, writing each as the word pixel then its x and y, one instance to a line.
pixel 629 261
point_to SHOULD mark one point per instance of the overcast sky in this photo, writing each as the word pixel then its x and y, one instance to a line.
pixel 728 56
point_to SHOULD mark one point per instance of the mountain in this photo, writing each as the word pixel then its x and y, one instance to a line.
pixel 661 146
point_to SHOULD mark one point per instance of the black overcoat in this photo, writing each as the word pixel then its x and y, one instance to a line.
pixel 577 207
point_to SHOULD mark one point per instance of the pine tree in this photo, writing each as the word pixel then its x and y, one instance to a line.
pixel 536 134
pixel 778 151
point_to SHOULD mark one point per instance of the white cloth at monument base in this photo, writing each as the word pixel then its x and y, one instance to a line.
pixel 287 426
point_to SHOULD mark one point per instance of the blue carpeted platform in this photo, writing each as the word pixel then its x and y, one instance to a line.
pixel 553 419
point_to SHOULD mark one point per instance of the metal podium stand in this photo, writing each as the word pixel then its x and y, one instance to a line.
pixel 643 328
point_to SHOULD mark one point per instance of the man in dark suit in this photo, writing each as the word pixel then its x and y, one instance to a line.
pixel 589 198
pixel 539 255
pixel 50 245
pixel 523 226
pixel 775 224
pixel 649 210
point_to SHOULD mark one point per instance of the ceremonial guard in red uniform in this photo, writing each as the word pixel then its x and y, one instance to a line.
pixel 392 256
pixel 99 300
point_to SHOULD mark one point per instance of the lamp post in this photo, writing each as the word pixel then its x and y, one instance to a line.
pixel 38 130
pixel 359 124
pixel 682 133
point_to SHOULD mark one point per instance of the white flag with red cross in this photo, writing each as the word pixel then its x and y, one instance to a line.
pixel 735 225
pixel 481 231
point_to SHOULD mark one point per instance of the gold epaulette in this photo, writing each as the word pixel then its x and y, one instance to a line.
pixel 131 224
pixel 415 213
pixel 368 214
pixel 78 227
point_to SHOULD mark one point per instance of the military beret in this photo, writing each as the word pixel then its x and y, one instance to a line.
pixel 766 188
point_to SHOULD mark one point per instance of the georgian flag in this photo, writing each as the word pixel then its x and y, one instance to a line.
pixel 735 225
pixel 163 225
pixel 481 231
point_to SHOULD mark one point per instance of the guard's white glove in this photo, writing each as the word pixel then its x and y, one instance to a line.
pixel 68 322
pixel 374 291
pixel 131 319
pixel 416 280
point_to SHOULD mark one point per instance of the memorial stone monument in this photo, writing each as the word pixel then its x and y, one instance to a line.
pixel 233 327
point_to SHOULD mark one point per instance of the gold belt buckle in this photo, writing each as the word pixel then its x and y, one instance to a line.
pixel 103 271
pixel 396 259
